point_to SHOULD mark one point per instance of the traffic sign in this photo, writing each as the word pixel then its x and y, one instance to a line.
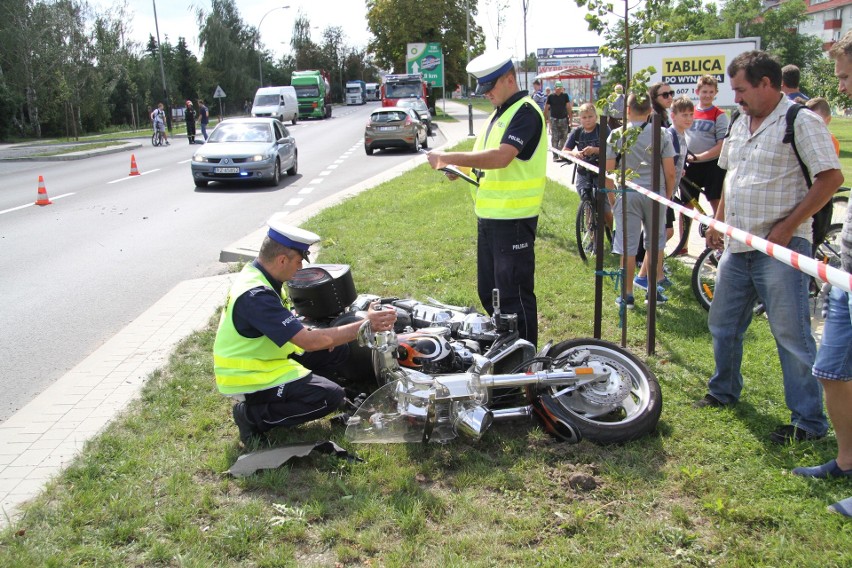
pixel 428 60
pixel 219 94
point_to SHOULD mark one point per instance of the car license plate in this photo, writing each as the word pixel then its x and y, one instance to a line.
pixel 226 170
pixel 386 128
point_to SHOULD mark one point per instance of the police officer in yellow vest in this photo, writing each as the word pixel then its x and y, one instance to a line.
pixel 511 156
pixel 264 357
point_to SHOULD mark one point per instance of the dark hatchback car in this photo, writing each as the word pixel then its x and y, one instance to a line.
pixel 242 149
pixel 395 127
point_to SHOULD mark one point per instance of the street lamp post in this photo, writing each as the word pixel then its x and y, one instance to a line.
pixel 467 52
pixel 259 53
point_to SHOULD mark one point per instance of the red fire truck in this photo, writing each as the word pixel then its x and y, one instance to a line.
pixel 396 87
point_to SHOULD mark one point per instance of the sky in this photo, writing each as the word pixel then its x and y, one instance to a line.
pixel 550 23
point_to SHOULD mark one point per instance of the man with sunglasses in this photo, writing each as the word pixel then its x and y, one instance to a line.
pixel 264 357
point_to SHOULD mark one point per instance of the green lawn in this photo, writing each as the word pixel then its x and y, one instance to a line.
pixel 841 127
pixel 707 489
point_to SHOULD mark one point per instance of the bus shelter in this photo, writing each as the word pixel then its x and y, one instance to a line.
pixel 580 82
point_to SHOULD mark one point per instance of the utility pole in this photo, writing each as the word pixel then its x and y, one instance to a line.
pixel 162 72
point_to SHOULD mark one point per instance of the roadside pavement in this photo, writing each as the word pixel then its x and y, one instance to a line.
pixel 45 436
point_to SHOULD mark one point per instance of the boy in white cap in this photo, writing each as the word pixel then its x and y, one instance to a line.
pixel 264 357
pixel 510 156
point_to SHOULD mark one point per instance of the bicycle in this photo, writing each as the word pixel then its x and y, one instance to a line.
pixel 157 138
pixel 586 224
pixel 677 245
pixel 704 271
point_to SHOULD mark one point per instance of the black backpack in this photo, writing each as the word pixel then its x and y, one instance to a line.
pixel 822 218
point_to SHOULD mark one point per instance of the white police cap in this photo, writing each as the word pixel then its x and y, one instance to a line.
pixel 290 236
pixel 489 67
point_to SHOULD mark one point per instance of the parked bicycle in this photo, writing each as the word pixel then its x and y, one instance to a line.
pixel 686 195
pixel 586 225
pixel 704 271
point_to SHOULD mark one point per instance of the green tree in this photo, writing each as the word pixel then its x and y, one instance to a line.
pixel 230 53
pixel 393 27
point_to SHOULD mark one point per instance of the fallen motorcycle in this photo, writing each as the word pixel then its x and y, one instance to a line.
pixel 446 370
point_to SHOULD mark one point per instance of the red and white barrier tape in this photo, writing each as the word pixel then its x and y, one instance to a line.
pixel 808 265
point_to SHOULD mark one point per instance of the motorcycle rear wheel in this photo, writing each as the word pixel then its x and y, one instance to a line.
pixel 634 416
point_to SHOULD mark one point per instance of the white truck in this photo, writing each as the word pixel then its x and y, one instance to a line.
pixel 356 92
pixel 276 102
pixel 373 92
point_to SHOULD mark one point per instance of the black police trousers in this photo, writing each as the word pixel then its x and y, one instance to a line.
pixel 505 259
pixel 302 400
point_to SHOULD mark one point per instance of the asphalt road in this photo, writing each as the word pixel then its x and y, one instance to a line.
pixel 76 272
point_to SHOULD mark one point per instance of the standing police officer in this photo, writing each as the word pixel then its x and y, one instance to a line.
pixel 511 155
pixel 264 357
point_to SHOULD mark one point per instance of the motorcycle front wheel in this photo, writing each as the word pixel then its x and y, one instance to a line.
pixel 625 407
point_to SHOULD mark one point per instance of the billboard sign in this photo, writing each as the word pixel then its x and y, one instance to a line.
pixel 681 64
pixel 428 60
pixel 560 52
pixel 593 64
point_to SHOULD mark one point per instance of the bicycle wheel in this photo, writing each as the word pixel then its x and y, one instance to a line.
pixel 704 276
pixel 156 138
pixel 585 228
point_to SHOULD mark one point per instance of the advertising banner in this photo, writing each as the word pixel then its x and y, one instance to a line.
pixel 427 59
pixel 681 64
pixel 560 52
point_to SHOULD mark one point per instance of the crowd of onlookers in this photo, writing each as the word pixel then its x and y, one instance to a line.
pixel 765 168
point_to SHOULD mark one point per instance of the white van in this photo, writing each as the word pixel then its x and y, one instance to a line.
pixel 276 102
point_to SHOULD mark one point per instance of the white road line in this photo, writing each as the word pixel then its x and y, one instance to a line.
pixel 333 166
pixel 293 202
pixel 316 181
pixel 306 190
pixel 325 173
pixel 131 177
pixel 33 204
pixel 185 161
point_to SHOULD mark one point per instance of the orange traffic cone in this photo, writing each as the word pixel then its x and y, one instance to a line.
pixel 43 199
pixel 134 171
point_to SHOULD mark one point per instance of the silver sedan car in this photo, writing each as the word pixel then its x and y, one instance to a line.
pixel 243 149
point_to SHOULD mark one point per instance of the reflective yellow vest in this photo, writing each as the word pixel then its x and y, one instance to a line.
pixel 250 364
pixel 516 191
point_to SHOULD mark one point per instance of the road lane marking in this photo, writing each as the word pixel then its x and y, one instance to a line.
pixel 316 181
pixel 131 177
pixel 33 204
pixel 293 202
pixel 306 190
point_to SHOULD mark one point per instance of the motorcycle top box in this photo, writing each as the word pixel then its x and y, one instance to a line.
pixel 322 290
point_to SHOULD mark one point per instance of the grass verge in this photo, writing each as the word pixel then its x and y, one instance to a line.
pixel 707 489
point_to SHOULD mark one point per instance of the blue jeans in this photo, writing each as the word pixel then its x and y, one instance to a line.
pixel 834 359
pixel 742 278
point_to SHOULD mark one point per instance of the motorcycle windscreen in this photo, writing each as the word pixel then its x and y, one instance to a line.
pixel 390 415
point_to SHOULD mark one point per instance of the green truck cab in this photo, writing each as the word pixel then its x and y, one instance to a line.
pixel 313 93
